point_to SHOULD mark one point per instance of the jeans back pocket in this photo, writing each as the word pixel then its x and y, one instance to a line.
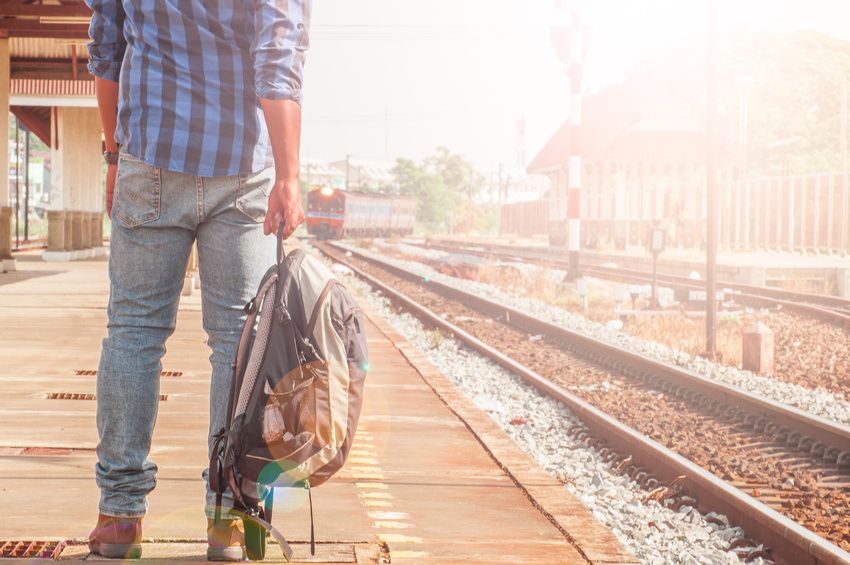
pixel 138 191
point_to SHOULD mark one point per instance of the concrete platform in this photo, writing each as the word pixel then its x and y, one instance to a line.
pixel 819 273
pixel 431 478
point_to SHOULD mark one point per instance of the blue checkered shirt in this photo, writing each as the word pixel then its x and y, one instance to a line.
pixel 191 75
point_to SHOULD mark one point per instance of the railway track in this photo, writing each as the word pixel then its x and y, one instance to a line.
pixel 822 307
pixel 804 460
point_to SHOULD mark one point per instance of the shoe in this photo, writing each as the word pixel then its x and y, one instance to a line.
pixel 117 537
pixel 226 540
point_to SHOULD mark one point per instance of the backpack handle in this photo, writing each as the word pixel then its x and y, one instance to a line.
pixel 281 252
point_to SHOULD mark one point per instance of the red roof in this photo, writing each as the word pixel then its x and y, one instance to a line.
pixel 605 119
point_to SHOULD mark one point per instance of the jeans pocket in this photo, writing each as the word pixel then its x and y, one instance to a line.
pixel 138 191
pixel 252 198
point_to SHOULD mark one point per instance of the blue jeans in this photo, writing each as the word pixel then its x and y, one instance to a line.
pixel 157 216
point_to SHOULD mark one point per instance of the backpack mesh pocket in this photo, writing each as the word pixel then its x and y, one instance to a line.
pixel 290 413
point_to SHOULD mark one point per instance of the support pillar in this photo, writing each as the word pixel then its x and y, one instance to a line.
pixel 57 220
pixel 100 239
pixel 7 262
pixel 86 230
pixel 67 244
pixel 76 230
pixel 55 230
pixel 95 232
pixel 5 232
pixel 621 236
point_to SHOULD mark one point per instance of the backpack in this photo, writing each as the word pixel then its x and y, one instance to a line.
pixel 296 393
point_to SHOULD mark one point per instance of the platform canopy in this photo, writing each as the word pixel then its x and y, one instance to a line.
pixel 47 59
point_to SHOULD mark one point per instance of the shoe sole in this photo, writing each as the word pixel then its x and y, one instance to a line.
pixel 117 550
pixel 232 553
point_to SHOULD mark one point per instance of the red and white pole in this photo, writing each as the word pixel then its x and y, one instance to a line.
pixel 575 71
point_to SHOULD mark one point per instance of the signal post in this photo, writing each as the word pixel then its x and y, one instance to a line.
pixel 571 43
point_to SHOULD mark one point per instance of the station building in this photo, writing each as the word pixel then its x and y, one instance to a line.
pixel 643 152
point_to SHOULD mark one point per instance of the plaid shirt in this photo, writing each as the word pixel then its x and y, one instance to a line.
pixel 192 73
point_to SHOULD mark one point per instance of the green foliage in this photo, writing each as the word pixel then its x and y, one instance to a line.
pixel 434 338
pixel 728 318
pixel 442 182
pixel 469 218
pixel 795 94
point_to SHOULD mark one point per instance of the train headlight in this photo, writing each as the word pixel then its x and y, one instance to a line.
pixel 327 191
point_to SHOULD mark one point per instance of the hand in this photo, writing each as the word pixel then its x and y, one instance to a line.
pixel 284 206
pixel 111 171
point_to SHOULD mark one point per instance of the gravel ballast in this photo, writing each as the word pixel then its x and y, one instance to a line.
pixel 819 402
pixel 655 534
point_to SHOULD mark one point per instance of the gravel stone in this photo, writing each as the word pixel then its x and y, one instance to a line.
pixel 653 533
pixel 818 402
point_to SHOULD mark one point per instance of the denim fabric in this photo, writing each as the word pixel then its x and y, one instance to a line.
pixel 158 215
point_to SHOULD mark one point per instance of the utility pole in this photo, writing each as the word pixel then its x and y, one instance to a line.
pixel 844 170
pixel 711 208
pixel 347 187
pixel 571 44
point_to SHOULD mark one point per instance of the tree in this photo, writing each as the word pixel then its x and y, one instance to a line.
pixel 439 185
pixel 795 95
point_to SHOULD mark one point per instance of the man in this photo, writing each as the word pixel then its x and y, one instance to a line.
pixel 201 97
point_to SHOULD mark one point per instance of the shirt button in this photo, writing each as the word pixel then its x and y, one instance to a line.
pixel 300 26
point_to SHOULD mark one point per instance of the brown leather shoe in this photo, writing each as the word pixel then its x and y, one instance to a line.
pixel 117 537
pixel 226 540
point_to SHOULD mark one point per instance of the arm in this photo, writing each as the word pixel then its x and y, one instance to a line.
pixel 282 37
pixel 106 51
pixel 283 118
pixel 107 103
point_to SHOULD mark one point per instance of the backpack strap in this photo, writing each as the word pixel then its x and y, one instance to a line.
pixel 281 252
pixel 284 545
pixel 243 349
pixel 254 360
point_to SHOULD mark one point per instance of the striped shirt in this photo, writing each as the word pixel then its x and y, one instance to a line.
pixel 191 73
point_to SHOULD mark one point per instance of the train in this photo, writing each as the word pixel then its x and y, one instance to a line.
pixel 334 214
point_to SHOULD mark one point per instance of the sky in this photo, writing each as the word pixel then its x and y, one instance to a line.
pixel 398 78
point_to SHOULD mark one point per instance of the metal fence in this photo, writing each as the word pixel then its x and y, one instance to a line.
pixel 526 219
pixel 801 213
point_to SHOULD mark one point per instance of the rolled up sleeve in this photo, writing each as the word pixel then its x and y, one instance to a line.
pixel 106 49
pixel 281 39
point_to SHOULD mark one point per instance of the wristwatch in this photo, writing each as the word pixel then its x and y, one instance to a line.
pixel 110 158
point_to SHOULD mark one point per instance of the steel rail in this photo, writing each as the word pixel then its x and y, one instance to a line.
pixel 831 309
pixel 791 542
pixel 634 364
pixel 532 254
